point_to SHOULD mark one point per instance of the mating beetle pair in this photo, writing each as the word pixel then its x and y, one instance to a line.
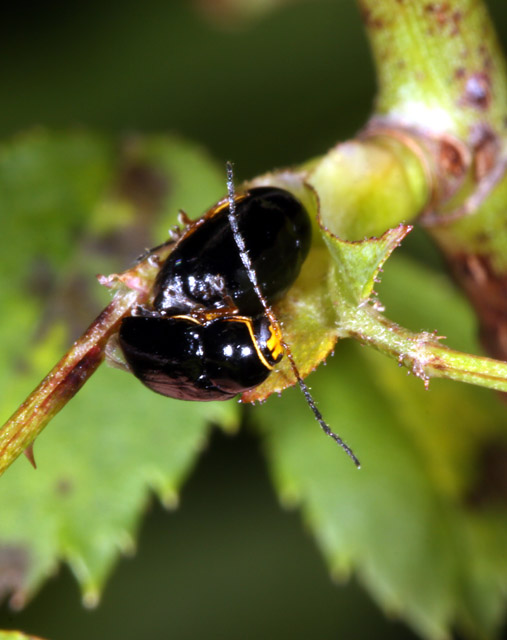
pixel 206 336
pixel 210 332
pixel 206 330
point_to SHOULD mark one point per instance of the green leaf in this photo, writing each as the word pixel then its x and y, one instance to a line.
pixel 16 635
pixel 78 206
pixel 96 466
pixel 357 264
pixel 420 524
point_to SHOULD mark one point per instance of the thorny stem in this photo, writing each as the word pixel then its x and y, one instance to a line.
pixel 421 352
pixel 80 362
pixel 439 138
pixel 61 384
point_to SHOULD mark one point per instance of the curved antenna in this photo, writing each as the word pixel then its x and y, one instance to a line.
pixel 252 276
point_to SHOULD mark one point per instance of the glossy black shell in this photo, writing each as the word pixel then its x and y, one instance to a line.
pixel 206 337
pixel 180 358
pixel 205 267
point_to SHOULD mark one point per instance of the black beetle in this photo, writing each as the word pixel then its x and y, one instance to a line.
pixel 207 336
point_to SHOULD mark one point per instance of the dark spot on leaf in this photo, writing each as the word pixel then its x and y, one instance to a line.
pixel 460 73
pixel 483 237
pixel 41 278
pixel 14 565
pixel 21 365
pixel 70 298
pixel 72 303
pixel 145 188
pixel 64 486
pixel 490 487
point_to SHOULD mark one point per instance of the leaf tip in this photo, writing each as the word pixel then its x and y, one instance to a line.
pixel 91 598
pixel 170 499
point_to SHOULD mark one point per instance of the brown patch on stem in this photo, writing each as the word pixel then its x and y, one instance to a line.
pixel 477 92
pixel 370 20
pixel 439 9
pixel 486 148
pixel 487 291
pixel 452 160
pixel 445 160
pixel 443 16
pixel 448 162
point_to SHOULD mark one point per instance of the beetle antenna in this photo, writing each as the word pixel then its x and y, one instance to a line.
pixel 252 276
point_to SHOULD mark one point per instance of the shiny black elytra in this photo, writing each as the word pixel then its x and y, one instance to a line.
pixel 207 336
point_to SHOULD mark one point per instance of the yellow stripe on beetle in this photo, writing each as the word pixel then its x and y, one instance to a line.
pixel 274 343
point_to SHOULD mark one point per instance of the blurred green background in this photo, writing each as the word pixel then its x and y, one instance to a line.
pixel 268 93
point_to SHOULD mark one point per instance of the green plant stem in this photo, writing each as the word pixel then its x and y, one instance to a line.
pixel 421 352
pixel 370 185
pixel 132 288
pixel 443 85
pixel 439 64
pixel 62 383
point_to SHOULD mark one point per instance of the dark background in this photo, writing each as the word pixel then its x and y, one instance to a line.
pixel 230 563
